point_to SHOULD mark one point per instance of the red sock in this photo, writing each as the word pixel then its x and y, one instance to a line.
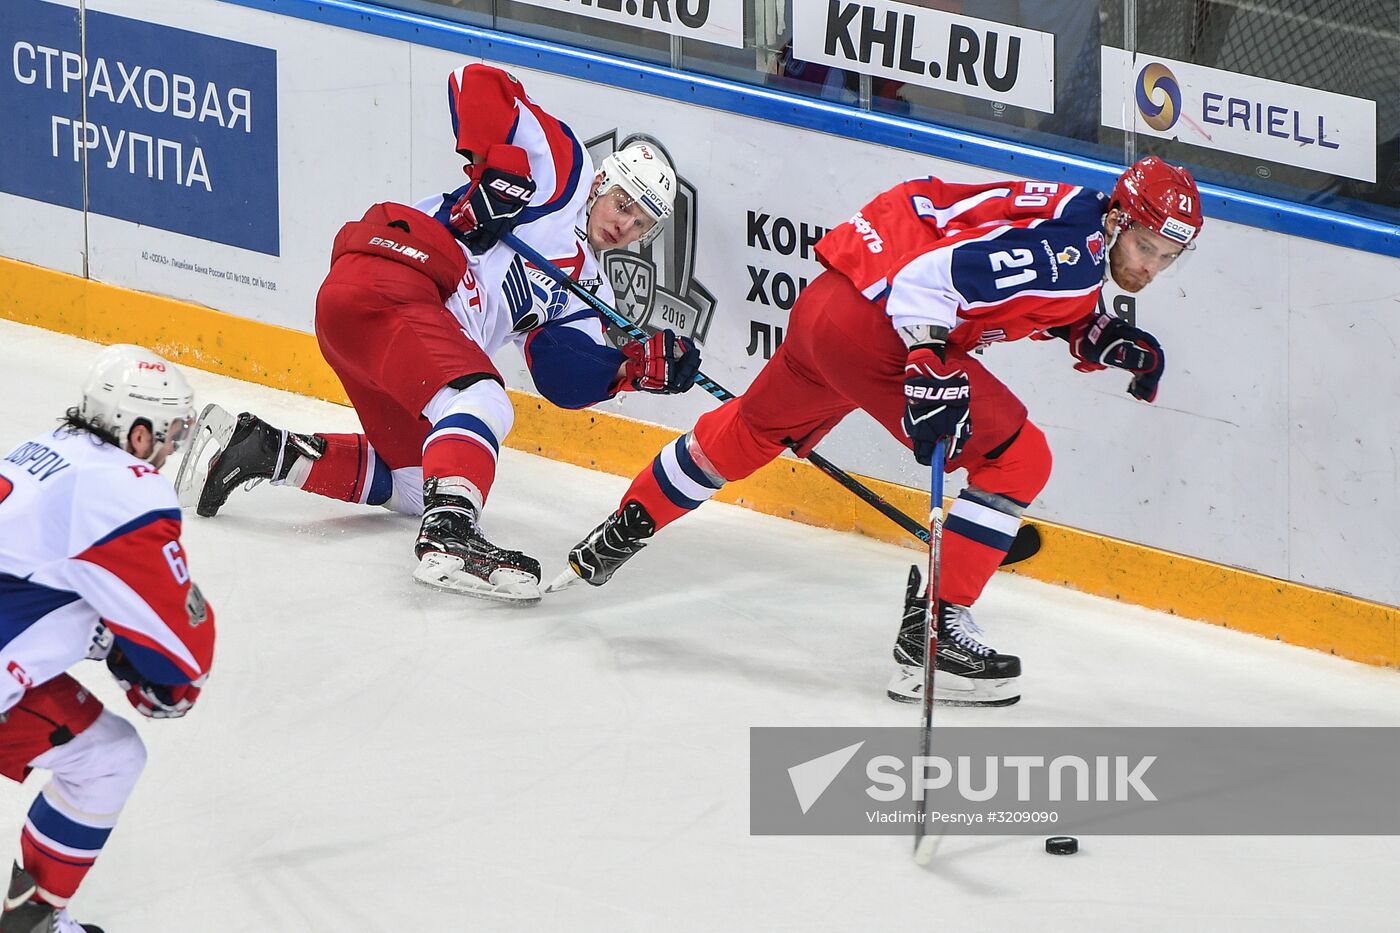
pixel 646 491
pixel 350 471
pixel 461 455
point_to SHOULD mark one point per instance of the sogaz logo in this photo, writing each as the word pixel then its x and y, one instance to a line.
pixel 1158 96
pixel 655 284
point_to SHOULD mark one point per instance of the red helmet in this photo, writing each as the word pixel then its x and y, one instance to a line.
pixel 1161 197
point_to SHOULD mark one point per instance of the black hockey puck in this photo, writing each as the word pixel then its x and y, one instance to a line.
pixel 1062 845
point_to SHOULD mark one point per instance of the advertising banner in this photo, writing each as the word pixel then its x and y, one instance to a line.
pixel 717 21
pixel 177 130
pixel 960 54
pixel 1284 123
pixel 301 126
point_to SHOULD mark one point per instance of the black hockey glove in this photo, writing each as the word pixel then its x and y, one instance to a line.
pixel 936 402
pixel 664 363
pixel 1102 340
pixel 488 207
pixel 152 700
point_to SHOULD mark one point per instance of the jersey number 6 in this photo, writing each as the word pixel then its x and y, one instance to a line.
pixel 1012 259
pixel 176 560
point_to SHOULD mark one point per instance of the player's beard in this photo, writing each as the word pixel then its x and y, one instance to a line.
pixel 1128 281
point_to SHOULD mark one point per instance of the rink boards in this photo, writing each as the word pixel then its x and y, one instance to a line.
pixel 226 145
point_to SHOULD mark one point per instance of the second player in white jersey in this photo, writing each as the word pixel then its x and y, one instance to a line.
pixel 416 302
pixel 92 567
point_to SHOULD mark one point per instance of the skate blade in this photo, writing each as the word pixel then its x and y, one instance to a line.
pixel 939 700
pixel 445 573
pixel 562 582
pixel 214 427
pixel 907 686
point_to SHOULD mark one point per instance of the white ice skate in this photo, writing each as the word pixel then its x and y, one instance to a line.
pixel 968 672
pixel 453 554
pixel 505 584
pixel 211 434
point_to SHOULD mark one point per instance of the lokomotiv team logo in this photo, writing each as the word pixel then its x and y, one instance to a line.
pixel 655 284
pixel 1158 96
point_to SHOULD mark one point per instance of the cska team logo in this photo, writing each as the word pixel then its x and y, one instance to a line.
pixel 655 284
pixel 1095 245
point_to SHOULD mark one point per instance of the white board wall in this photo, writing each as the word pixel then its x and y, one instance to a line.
pixel 1272 445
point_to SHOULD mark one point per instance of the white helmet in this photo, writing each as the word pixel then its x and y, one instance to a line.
pixel 127 384
pixel 643 172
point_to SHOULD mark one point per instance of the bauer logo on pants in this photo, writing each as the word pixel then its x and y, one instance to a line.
pixel 1106 781
pixel 655 284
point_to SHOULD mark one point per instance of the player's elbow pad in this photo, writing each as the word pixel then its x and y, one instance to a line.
pixel 572 372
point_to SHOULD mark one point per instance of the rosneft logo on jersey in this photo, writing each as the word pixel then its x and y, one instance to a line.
pixel 1158 96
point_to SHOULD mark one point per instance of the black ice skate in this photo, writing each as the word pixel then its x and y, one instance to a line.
pixel 246 451
pixel 25 913
pixel 597 557
pixel 453 555
pixel 969 673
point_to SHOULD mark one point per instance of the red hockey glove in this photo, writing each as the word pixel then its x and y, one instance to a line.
pixel 152 700
pixel 936 402
pixel 1102 340
pixel 488 207
pixel 664 363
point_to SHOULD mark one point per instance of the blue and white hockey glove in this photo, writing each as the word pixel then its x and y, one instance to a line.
pixel 1102 340
pixel 152 700
pixel 937 402
pixel 664 363
pixel 488 207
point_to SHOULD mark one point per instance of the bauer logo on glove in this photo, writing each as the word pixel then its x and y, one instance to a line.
pixel 937 402
pixel 664 363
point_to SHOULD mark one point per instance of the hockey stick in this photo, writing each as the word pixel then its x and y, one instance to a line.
pixel 1027 546
pixel 924 843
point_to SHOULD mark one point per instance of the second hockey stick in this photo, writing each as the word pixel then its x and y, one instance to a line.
pixel 926 843
pixel 846 480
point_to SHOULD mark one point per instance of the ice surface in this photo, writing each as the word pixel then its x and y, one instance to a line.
pixel 372 755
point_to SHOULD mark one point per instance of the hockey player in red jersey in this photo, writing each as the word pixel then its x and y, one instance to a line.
pixel 91 566
pixel 917 280
pixel 417 301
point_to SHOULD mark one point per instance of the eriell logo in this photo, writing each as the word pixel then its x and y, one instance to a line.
pixel 1158 96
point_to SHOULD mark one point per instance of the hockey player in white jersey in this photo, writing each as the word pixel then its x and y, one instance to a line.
pixel 419 298
pixel 91 567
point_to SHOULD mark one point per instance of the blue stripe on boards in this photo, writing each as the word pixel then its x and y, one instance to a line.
pixel 1016 159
